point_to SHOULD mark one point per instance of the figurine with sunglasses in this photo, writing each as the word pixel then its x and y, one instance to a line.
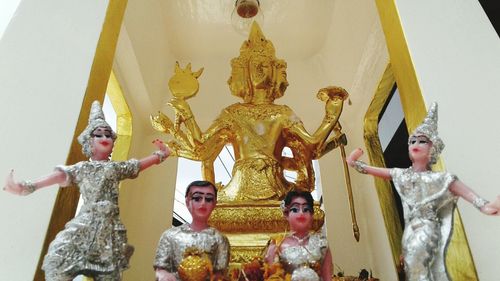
pixel 428 199
pixel 94 243
pixel 304 255
pixel 194 251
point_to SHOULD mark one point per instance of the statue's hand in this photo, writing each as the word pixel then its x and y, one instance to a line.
pixel 354 156
pixel 342 139
pixel 174 148
pixel 14 187
pixel 181 108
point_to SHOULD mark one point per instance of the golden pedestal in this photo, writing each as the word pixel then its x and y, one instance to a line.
pixel 250 225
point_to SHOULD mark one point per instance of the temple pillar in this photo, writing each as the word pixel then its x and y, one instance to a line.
pixel 47 69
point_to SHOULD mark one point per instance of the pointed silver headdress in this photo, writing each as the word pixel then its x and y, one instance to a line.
pixel 96 120
pixel 429 129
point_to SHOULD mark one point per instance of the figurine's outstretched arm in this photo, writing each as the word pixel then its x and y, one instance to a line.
pixel 364 168
pixel 489 208
pixel 158 156
pixel 27 187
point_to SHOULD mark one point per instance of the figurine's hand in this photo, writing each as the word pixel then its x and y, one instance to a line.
pixel 163 275
pixel 355 154
pixel 492 208
pixel 162 147
pixel 14 187
pixel 163 151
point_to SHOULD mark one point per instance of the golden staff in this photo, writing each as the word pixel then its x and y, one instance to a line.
pixel 342 141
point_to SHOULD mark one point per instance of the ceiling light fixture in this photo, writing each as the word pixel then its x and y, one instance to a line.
pixel 243 15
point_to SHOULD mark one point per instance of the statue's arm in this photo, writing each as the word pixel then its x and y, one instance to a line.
pixel 333 110
pixel 184 114
pixel 201 146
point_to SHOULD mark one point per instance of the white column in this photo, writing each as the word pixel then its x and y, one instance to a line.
pixel 46 54
pixel 456 55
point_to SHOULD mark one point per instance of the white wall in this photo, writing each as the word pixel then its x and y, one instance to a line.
pixel 46 54
pixel 7 10
pixel 456 55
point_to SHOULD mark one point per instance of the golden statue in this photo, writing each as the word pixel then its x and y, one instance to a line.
pixel 258 129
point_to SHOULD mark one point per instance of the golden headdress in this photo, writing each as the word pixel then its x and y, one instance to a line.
pixel 257 44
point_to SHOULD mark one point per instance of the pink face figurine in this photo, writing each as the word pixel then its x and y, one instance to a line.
pixel 74 250
pixel 301 246
pixel 179 245
pixel 300 216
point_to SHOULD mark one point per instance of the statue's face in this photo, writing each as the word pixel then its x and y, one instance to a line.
pixel 237 81
pixel 300 215
pixel 261 72
pixel 281 81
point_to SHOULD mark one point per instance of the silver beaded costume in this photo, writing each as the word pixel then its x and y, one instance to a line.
pixel 95 241
pixel 428 208
pixel 301 261
pixel 175 241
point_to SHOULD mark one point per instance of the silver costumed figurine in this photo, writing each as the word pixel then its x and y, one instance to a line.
pixel 195 251
pixel 429 199
pixel 94 243
pixel 302 254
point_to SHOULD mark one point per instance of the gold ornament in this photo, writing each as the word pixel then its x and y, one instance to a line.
pixel 196 266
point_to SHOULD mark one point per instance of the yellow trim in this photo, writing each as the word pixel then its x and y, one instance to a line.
pixel 402 64
pixel 459 259
pixel 375 153
pixel 67 198
pixel 123 120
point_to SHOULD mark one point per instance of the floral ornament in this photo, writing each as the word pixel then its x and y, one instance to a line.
pixel 282 206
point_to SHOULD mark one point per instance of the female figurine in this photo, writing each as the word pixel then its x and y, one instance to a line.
pixel 428 198
pixel 93 243
pixel 302 254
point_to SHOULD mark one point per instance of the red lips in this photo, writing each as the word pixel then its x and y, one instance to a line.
pixel 301 219
pixel 104 143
